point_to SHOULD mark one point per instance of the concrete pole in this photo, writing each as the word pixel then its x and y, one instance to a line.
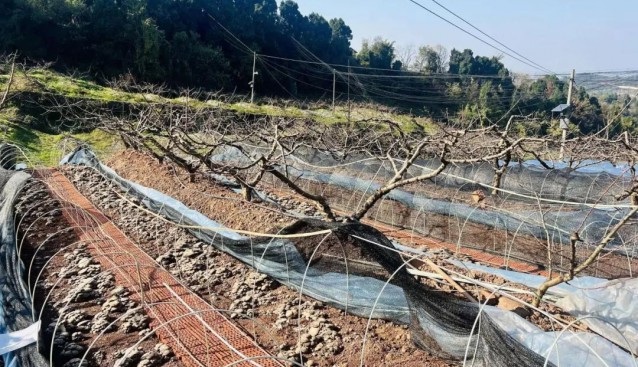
pixel 348 90
pixel 569 104
pixel 252 84
pixel 334 89
pixel 571 87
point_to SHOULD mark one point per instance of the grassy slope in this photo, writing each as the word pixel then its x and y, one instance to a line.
pixel 73 87
pixel 44 149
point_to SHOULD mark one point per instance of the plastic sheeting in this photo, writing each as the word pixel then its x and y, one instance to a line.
pixel 565 348
pixel 589 166
pixel 502 339
pixel 277 258
pixel 19 339
pixel 585 185
pixel 610 309
pixel 555 225
pixel 15 300
pixel 534 281
pixel 587 181
pixel 524 222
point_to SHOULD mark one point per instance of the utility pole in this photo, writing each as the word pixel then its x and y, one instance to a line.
pixel 252 83
pixel 348 90
pixel 565 126
pixel 334 89
pixel 571 86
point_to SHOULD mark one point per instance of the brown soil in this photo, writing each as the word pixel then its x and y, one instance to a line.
pixel 203 195
pixel 331 255
pixel 41 225
pixel 470 235
pixel 387 344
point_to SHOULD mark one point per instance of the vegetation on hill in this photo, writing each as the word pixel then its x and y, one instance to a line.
pixel 209 44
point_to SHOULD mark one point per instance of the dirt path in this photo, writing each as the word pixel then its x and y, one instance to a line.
pixel 82 310
pixel 197 333
pixel 281 321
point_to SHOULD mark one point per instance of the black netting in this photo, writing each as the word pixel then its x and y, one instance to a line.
pixel 377 286
pixel 15 300
pixel 537 206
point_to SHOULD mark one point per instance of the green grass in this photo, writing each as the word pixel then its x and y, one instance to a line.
pixel 52 82
pixel 328 116
pixel 44 149
pixel 76 88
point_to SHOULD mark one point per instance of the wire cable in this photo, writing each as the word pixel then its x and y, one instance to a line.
pixel 474 36
pixel 490 37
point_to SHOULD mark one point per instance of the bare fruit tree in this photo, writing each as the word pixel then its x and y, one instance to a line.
pixel 8 60
pixel 203 139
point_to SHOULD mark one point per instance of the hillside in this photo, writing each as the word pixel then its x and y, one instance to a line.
pixel 31 117
pixel 215 46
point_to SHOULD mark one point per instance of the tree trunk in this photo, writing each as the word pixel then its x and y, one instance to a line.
pixel 321 202
pixel 393 184
pixel 577 269
pixel 496 183
pixel 246 192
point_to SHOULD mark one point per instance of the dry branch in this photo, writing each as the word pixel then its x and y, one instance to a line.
pixel 577 269
pixel 190 137
pixel 9 82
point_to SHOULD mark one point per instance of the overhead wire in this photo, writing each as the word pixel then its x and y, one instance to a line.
pixel 374 85
pixel 229 32
pixel 237 43
pixel 276 80
pixel 390 71
pixel 370 88
pixel 490 37
pixel 475 36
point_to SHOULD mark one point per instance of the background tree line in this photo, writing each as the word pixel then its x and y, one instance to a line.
pixel 179 44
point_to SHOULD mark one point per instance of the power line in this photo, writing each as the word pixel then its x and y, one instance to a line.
pixel 240 45
pixel 410 74
pixel 490 37
pixel 275 79
pixel 322 63
pixel 237 43
pixel 250 50
pixel 475 36
pixel 383 91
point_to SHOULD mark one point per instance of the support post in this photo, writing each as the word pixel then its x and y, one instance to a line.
pixel 252 83
pixel 571 86
pixel 569 104
pixel 562 145
pixel 348 90
pixel 334 89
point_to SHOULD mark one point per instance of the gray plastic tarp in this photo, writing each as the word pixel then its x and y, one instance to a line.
pixel 15 301
pixel 361 293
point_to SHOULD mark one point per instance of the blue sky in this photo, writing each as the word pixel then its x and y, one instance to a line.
pixel 560 35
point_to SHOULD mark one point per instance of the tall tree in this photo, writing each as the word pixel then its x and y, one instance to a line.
pixel 461 62
pixel 317 35
pixel 292 20
pixel 379 54
pixel 340 48
pixel 431 60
